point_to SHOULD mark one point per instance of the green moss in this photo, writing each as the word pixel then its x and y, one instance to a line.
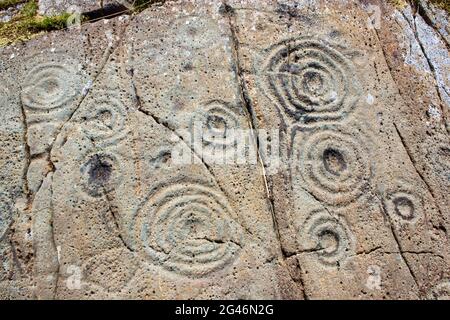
pixel 28 23
pixel 29 9
pixel 47 23
pixel 5 4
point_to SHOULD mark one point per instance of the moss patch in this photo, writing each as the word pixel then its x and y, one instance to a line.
pixel 29 9
pixel 28 23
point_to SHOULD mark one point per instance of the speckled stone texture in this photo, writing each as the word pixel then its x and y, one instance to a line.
pixel 343 111
pixel 54 7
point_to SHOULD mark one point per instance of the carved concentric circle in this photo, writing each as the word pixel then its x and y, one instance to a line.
pixel 100 173
pixel 215 129
pixel 403 202
pixel 333 165
pixel 50 86
pixel 328 237
pixel 311 80
pixel 188 229
pixel 105 118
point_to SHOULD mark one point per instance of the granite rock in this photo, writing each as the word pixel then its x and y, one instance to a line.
pixel 229 150
pixel 54 7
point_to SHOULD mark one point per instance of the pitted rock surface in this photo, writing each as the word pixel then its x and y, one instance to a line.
pixel 54 7
pixel 229 150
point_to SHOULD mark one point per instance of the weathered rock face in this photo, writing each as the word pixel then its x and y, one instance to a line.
pixel 52 7
pixel 238 150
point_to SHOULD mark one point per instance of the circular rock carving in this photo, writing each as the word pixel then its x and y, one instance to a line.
pixel 188 228
pixel 328 237
pixel 311 79
pixel 216 129
pixel 50 86
pixel 5 214
pixel 105 119
pixel 440 292
pixel 334 165
pixel 100 174
pixel 403 203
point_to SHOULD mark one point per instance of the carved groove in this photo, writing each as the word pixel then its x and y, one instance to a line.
pixel 311 80
pixel 403 203
pixel 334 166
pixel 328 237
pixel 50 86
pixel 188 229
pixel 105 119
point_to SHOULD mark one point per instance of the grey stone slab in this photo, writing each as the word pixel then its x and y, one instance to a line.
pixel 228 150
pixel 43 82
pixel 55 7
pixel 319 74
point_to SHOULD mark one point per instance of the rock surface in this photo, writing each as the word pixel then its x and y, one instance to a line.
pixel 53 7
pixel 234 150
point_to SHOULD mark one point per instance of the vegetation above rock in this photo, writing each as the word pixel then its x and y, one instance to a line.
pixel 28 23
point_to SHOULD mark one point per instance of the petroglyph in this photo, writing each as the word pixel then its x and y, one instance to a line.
pixel 313 82
pixel 189 228
pixel 328 237
pixel 228 150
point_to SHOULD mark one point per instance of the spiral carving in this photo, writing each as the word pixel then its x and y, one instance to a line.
pixel 328 237
pixel 50 86
pixel 187 228
pixel 311 80
pixel 105 119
